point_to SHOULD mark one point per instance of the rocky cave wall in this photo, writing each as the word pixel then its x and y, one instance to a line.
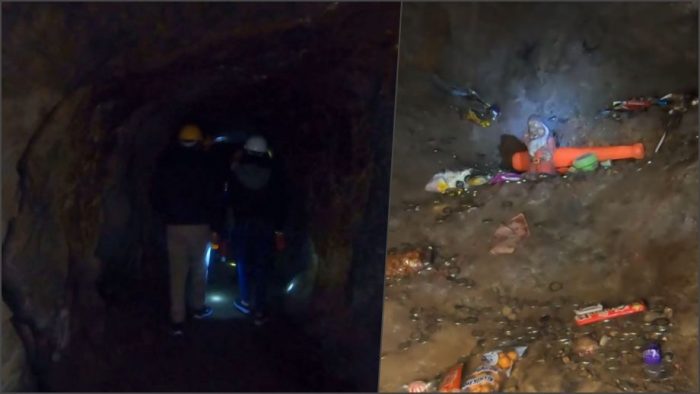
pixel 93 92
pixel 568 60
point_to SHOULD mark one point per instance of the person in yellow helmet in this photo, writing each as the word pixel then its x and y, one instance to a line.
pixel 184 195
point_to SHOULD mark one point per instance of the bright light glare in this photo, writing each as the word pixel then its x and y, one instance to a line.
pixel 207 255
pixel 291 285
pixel 232 263
pixel 216 298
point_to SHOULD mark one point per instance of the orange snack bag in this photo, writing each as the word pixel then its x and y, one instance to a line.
pixel 495 369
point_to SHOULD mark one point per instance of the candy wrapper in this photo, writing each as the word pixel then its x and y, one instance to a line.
pixel 596 313
pixel 495 369
pixel 452 381
pixel 505 177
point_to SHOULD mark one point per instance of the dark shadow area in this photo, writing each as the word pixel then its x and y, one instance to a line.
pixel 509 145
pixel 94 93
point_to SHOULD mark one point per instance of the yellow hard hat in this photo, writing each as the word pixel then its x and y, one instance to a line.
pixel 191 132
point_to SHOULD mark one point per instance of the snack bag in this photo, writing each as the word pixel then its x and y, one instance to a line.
pixel 495 369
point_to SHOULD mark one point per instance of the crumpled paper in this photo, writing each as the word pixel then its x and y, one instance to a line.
pixel 509 235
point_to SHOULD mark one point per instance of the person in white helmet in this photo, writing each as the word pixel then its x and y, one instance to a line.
pixel 256 197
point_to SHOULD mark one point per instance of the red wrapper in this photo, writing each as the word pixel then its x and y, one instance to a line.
pixel 637 104
pixel 610 313
pixel 452 382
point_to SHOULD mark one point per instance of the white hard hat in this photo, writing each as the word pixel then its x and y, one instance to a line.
pixel 256 144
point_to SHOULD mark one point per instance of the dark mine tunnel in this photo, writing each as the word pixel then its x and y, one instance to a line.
pixel 92 95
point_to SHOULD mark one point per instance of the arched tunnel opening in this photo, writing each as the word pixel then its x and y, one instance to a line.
pixel 94 93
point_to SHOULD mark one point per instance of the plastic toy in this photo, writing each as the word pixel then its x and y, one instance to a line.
pixel 564 157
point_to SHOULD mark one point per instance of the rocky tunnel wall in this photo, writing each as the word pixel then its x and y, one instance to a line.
pixel 93 92
pixel 567 60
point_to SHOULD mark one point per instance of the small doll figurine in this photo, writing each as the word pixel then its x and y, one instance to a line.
pixel 540 145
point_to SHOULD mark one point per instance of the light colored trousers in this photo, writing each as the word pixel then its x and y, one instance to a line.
pixel 187 246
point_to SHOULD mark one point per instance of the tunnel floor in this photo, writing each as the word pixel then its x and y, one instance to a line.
pixel 613 237
pixel 427 326
pixel 225 352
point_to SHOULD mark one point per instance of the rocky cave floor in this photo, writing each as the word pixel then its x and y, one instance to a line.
pixel 222 353
pixel 614 236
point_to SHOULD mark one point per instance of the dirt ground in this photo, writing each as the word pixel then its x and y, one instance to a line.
pixel 223 353
pixel 614 236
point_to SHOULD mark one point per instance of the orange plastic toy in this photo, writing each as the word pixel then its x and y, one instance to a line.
pixel 564 157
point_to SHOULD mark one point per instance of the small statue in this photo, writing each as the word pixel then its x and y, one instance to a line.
pixel 540 145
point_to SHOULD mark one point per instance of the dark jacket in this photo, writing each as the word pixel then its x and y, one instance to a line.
pixel 256 193
pixel 185 187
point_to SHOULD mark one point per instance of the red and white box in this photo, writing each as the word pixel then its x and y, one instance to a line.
pixel 596 313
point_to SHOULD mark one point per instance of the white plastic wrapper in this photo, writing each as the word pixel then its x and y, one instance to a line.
pixel 447 180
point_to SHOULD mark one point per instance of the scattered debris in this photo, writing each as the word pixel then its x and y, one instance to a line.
pixel 482 118
pixel 496 366
pixel 599 314
pixel 661 141
pixel 677 103
pixel 460 180
pixel 505 177
pixel 445 180
pixel 478 180
pixel 419 386
pixel 652 354
pixel 564 157
pixel 585 346
pixel 495 369
pixel 653 360
pixel 477 110
pixel 400 264
pixel 452 382
pixel 509 235
pixel 639 104
pixel 586 163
